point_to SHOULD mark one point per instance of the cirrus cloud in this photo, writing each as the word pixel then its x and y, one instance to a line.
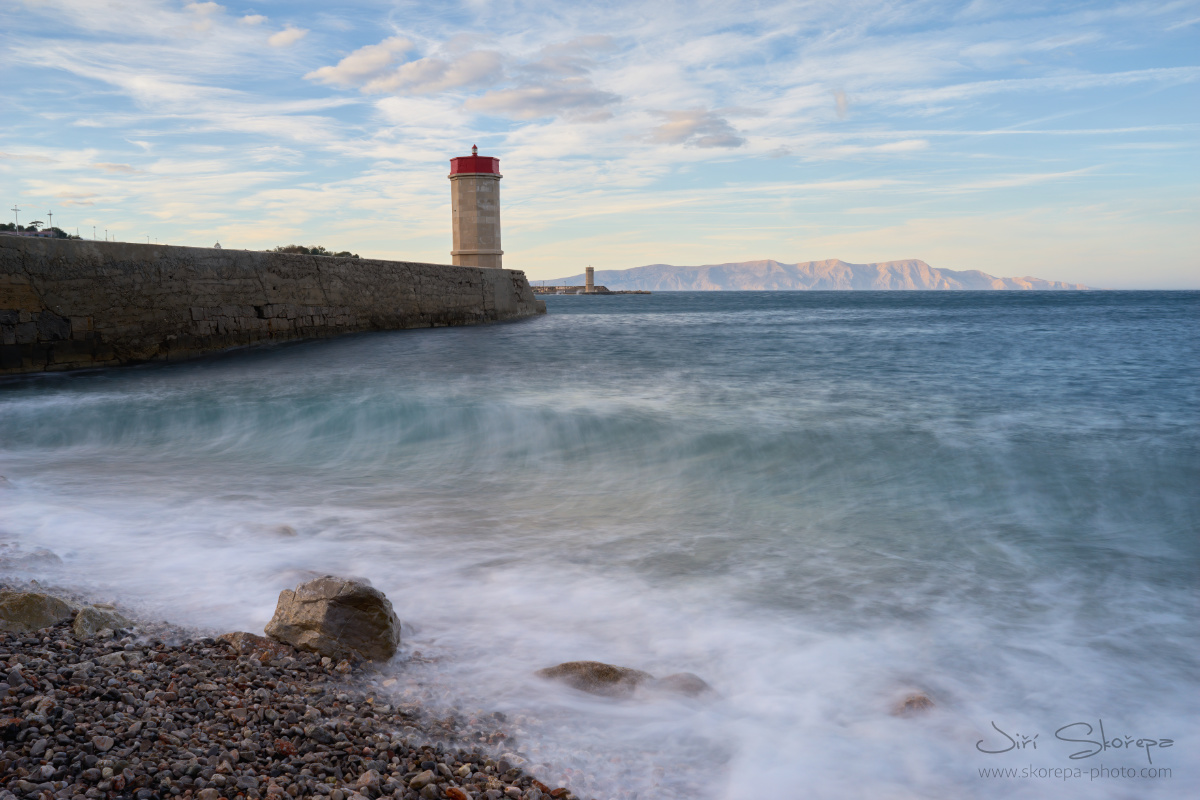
pixel 287 37
pixel 363 64
pixel 696 127
pixel 576 98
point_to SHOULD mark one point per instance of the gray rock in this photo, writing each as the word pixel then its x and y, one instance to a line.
pixel 25 612
pixel 598 678
pixel 337 617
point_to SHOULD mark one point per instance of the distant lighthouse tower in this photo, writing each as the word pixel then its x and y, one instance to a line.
pixel 589 281
pixel 475 204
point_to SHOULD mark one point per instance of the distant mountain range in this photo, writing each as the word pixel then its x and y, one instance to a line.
pixel 829 274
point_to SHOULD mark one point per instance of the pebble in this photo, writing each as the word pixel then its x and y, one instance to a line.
pixel 114 716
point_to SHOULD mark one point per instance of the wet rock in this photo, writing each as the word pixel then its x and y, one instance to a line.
pixel 682 683
pixel 92 619
pixel 597 678
pixel 913 704
pixel 337 617
pixel 25 612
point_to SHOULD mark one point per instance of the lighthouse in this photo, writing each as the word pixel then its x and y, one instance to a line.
pixel 475 206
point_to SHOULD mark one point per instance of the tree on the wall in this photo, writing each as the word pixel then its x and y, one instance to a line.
pixel 315 250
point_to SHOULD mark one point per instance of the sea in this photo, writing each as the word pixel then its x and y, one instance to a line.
pixel 821 503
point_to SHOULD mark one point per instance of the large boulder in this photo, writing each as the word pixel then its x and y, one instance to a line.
pixel 92 619
pixel 24 612
pixel 341 618
pixel 595 677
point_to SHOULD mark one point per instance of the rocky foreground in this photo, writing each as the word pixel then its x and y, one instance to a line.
pixel 88 711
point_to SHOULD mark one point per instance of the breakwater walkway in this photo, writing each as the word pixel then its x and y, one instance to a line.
pixel 67 304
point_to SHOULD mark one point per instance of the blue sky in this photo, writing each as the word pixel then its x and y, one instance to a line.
pixel 1060 140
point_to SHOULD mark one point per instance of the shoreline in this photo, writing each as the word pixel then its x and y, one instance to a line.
pixel 116 715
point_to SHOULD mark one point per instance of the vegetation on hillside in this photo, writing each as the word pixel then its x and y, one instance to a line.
pixel 315 250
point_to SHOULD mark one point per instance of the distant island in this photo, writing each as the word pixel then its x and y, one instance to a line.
pixel 809 275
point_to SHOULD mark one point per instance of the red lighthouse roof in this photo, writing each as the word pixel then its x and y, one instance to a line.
pixel 474 163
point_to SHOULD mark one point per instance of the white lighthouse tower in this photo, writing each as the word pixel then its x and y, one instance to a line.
pixel 475 205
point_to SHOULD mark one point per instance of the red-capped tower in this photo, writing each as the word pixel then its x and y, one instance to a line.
pixel 475 205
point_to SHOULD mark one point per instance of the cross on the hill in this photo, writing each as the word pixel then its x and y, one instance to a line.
pixel 50 216
pixel 16 216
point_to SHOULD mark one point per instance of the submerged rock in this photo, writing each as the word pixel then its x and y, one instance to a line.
pixel 916 703
pixel 24 612
pixel 595 677
pixel 683 683
pixel 17 560
pixel 92 619
pixel 337 617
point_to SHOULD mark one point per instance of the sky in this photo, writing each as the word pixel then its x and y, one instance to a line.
pixel 1057 140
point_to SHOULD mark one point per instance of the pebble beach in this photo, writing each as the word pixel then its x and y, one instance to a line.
pixel 158 712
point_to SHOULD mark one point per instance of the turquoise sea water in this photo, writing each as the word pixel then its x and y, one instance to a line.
pixel 820 502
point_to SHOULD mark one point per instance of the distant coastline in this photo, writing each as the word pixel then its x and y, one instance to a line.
pixel 831 274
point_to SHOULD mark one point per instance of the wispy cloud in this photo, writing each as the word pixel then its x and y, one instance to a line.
pixel 287 37
pixel 364 64
pixel 698 127
pixel 570 97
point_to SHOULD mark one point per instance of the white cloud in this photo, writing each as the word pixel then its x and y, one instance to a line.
pixel 698 128
pixel 123 169
pixel 287 37
pixel 575 98
pixel 842 102
pixel 363 64
pixel 901 146
pixel 432 74
pixel 253 19
pixel 204 9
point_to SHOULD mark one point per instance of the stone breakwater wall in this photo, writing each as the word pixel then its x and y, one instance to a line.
pixel 76 304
